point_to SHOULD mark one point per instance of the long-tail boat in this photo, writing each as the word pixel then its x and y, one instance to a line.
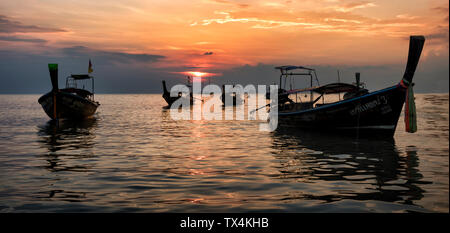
pixel 70 102
pixel 171 99
pixel 237 99
pixel 359 111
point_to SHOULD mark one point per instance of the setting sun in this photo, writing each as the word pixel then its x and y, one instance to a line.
pixel 196 73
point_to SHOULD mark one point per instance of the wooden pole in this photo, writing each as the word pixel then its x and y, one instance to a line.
pixel 339 80
pixel 53 69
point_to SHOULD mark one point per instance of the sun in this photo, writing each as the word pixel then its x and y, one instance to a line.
pixel 197 73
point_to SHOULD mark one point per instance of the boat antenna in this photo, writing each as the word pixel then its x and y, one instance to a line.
pixel 315 75
pixel 358 80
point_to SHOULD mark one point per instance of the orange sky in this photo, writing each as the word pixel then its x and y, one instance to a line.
pixel 217 34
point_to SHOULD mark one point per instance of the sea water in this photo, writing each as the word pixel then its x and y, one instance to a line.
pixel 132 157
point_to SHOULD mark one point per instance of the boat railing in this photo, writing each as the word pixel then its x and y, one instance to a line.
pixel 72 86
pixel 291 99
pixel 71 83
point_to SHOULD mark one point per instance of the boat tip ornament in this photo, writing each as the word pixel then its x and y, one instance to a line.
pixel 404 83
pixel 52 66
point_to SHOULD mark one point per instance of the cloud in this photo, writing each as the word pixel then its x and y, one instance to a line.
pixel 441 9
pixel 438 33
pixel 21 39
pixel 274 4
pixel 261 23
pixel 8 26
pixel 208 53
pixel 439 37
pixel 26 72
pixel 82 51
pixel 353 6
pixel 443 34
pixel 203 43
pixel 431 75
pixel 324 21
pixel 240 5
pixel 342 20
pixel 406 16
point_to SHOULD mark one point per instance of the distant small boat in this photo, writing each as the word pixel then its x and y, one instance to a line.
pixel 359 112
pixel 70 102
pixel 237 99
pixel 171 99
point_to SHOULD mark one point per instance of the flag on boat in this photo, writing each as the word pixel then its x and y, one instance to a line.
pixel 90 70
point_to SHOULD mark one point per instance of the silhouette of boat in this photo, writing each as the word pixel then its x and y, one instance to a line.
pixel 171 99
pixel 70 102
pixel 237 99
pixel 360 112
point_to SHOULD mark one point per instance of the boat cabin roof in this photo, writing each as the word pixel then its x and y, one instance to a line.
pixel 286 68
pixel 81 76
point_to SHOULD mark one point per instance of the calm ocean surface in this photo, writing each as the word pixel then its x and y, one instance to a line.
pixel 133 158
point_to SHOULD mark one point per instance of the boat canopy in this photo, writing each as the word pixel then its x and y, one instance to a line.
pixel 333 88
pixel 286 68
pixel 71 82
pixel 81 76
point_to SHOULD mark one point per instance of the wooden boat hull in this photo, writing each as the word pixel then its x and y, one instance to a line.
pixel 374 114
pixel 67 106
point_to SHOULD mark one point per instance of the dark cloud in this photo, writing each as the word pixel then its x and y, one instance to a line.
pixel 438 38
pixel 82 51
pixel 441 9
pixel 8 26
pixel 21 39
pixel 208 53
pixel 192 67
pixel 115 72
pixel 22 72
pixel 438 35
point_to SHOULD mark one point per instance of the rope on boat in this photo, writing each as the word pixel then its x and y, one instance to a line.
pixel 410 111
